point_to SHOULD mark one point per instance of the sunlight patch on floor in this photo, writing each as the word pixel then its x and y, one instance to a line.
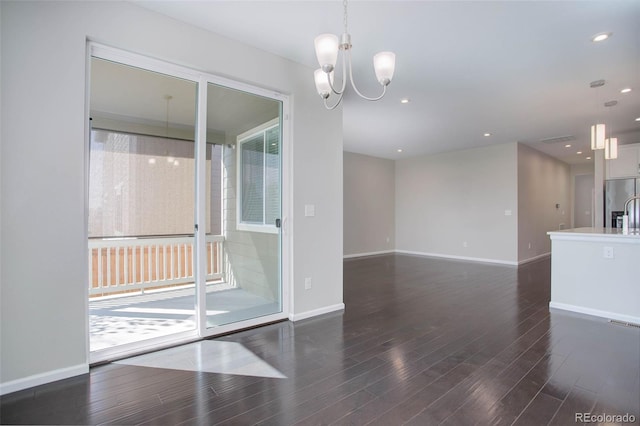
pixel 210 357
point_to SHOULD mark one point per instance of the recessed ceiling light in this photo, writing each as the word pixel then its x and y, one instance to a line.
pixel 579 152
pixel 404 100
pixel 399 150
pixel 600 37
pixel 568 145
pixel 626 90
pixel 151 161
pixel 487 134
pixel 588 158
pixel 638 119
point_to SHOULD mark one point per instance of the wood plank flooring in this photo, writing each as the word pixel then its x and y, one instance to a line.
pixel 421 342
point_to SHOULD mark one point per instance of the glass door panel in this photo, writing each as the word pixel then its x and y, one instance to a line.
pixel 141 205
pixel 244 140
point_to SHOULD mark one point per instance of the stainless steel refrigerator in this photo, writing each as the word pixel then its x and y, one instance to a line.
pixel 617 191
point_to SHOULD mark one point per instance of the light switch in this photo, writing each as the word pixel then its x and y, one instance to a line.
pixel 309 210
pixel 507 212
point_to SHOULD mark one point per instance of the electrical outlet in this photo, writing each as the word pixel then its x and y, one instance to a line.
pixel 465 244
pixel 608 253
pixel 529 246
pixel 308 283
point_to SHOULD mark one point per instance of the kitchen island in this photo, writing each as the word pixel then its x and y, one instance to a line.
pixel 596 271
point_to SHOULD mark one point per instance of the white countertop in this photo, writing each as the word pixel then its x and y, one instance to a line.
pixel 596 233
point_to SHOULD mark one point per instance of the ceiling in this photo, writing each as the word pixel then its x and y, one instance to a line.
pixel 519 70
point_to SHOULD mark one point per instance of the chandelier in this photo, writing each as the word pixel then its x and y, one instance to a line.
pixel 327 48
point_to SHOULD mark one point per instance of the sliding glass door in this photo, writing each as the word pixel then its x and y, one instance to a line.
pixel 141 205
pixel 184 204
pixel 248 129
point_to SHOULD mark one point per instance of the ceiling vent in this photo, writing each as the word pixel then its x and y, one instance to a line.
pixel 558 139
pixel 611 103
pixel 596 83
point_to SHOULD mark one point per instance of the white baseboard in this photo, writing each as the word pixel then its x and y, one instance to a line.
pixel 595 312
pixel 316 312
pixel 373 253
pixel 448 256
pixel 42 378
pixel 533 259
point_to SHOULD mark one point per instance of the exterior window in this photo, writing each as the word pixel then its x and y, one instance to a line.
pixel 259 178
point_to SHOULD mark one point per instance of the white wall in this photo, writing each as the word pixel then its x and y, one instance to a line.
pixel 369 204
pixel 543 183
pixel 444 201
pixel 43 319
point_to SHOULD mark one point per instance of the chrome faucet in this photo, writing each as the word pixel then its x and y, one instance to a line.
pixel 625 218
pixel 626 203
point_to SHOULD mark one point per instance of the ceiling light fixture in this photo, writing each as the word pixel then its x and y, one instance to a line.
pixel 597 136
pixel 611 143
pixel 626 90
pixel 404 101
pixel 600 37
pixel 611 149
pixel 327 47
pixel 568 145
pixel 597 130
pixel 486 135
pixel 399 150
pixel 637 119
pixel 579 152
pixel 588 158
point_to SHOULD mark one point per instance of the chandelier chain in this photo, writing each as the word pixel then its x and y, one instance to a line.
pixel 344 5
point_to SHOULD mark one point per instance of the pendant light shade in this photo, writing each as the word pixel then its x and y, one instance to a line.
pixel 384 64
pixel 597 136
pixel 611 149
pixel 327 46
pixel 322 82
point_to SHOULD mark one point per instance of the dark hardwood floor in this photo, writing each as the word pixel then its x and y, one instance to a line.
pixel 422 342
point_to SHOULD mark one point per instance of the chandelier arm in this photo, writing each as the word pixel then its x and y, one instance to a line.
pixel 326 105
pixel 384 87
pixel 344 77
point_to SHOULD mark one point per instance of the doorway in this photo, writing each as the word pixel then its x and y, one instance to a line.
pixel 583 201
pixel 184 205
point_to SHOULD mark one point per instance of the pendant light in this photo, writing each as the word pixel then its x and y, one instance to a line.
pixel 610 144
pixel 611 149
pixel 597 136
pixel 597 130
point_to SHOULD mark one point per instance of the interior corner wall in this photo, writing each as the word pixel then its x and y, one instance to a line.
pixel 460 204
pixel 369 205
pixel 44 275
pixel 543 183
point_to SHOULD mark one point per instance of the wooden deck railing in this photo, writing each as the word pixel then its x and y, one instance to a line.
pixel 122 265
